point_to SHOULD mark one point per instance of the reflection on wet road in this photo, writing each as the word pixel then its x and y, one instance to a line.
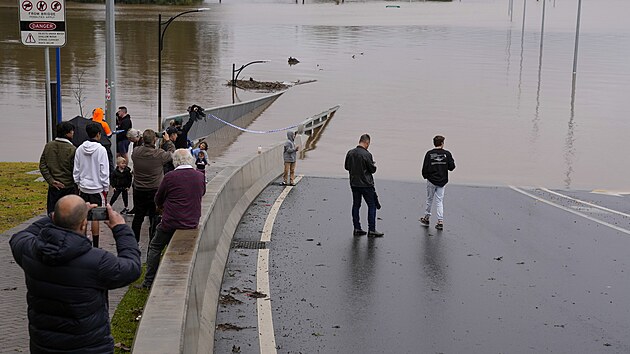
pixel 515 270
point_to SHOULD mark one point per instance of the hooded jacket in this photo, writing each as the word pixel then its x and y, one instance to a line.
pixel 289 148
pixel 360 167
pixel 97 116
pixel 91 168
pixel 68 281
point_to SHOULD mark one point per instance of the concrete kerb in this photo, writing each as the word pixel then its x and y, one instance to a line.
pixel 180 313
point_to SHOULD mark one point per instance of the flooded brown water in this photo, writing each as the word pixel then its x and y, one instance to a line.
pixel 459 69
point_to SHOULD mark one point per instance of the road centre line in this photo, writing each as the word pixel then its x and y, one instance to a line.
pixel 271 218
pixel 571 210
pixel 266 335
pixel 586 203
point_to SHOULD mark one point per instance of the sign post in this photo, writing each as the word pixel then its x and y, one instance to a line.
pixel 43 23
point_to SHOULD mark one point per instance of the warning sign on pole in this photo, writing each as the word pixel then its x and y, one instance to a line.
pixel 43 23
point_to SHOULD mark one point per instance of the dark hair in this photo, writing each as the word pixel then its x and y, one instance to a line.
pixel 64 128
pixel 70 219
pixel 92 129
pixel 438 140
pixel 123 108
pixel 365 138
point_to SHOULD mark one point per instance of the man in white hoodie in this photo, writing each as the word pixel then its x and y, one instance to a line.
pixel 91 172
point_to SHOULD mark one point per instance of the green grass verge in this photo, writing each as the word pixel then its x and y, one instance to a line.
pixel 21 198
pixel 125 321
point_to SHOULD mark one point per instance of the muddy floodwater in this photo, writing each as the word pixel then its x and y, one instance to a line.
pixel 462 69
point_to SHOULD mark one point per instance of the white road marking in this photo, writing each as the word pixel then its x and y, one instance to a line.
pixel 266 335
pixel 571 211
pixel 271 218
pixel 607 192
pixel 586 203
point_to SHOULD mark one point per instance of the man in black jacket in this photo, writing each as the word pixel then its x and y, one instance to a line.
pixel 360 167
pixel 123 124
pixel 67 279
pixel 437 162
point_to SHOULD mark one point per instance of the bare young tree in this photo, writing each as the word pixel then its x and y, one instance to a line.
pixel 77 90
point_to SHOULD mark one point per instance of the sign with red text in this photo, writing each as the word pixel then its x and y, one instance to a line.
pixel 43 23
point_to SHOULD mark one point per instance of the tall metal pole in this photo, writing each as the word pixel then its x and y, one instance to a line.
pixel 51 135
pixel 110 70
pixel 58 61
pixel 161 33
pixel 542 26
pixel 159 122
pixel 524 8
pixel 577 38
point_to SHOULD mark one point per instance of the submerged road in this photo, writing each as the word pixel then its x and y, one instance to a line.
pixel 515 270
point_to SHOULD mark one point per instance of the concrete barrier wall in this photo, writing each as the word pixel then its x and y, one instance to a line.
pixel 180 314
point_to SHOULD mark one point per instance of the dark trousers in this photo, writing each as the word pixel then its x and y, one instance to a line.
pixel 125 197
pixel 55 194
pixel 369 194
pixel 156 246
pixel 143 204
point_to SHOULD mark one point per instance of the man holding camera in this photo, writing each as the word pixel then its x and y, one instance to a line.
pixel 195 113
pixel 148 172
pixel 91 172
pixel 68 280
pixel 169 145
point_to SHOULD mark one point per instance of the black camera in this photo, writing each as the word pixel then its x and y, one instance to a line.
pixel 196 112
pixel 98 213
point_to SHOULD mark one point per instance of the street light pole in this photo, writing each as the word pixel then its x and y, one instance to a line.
pixel 238 71
pixel 161 33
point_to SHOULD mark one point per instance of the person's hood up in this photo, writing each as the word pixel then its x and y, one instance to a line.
pixel 90 146
pixel 290 135
pixel 56 246
pixel 98 114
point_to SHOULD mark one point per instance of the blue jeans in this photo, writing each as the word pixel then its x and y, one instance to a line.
pixel 367 193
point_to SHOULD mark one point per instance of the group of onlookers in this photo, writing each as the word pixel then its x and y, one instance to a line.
pixel 67 275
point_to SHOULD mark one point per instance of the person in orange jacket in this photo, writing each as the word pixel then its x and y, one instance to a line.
pixel 97 116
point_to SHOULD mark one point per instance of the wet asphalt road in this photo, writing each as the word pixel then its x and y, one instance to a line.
pixel 508 274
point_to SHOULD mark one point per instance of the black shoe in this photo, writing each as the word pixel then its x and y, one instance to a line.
pixel 374 233
pixel 439 226
pixel 359 232
pixel 283 183
pixel 424 221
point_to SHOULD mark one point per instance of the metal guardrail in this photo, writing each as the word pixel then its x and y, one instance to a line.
pixel 229 113
pixel 310 125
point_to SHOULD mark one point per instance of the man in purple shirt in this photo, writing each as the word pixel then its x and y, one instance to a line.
pixel 179 196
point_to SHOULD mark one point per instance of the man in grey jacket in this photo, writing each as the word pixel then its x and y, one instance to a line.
pixel 289 159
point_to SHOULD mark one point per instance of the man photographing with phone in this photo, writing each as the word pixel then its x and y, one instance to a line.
pixel 68 280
